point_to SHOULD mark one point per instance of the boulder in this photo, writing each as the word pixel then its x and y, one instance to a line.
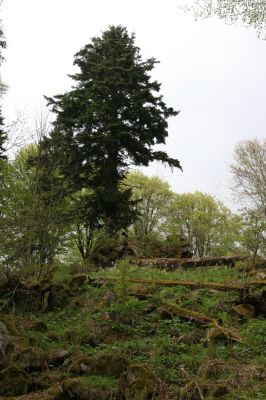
pixel 54 296
pixel 6 344
pixel 57 358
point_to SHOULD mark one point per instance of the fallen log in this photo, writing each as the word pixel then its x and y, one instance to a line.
pixel 191 284
pixel 189 315
pixel 217 332
pixel 173 263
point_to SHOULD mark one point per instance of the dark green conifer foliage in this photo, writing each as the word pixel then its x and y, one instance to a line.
pixel 111 119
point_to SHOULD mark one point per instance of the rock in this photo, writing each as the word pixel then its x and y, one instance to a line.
pixel 138 380
pixel 257 298
pixel 28 298
pixel 246 311
pixel 6 344
pixel 54 296
pixel 14 381
pixel 78 281
pixel 57 357
pixel 103 364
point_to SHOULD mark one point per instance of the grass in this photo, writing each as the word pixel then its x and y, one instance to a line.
pixel 114 320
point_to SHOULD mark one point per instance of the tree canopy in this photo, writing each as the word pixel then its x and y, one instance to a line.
pixel 112 117
pixel 249 173
pixel 251 13
pixel 209 226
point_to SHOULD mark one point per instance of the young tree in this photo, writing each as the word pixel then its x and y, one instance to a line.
pixel 34 212
pixel 253 233
pixel 152 196
pixel 112 117
pixel 249 173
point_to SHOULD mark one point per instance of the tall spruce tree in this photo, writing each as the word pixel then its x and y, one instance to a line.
pixel 111 119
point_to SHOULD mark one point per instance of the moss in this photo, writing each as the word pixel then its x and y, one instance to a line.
pixel 138 381
pixel 14 381
pixel 83 389
pixel 10 322
pixel 104 365
pixel 31 359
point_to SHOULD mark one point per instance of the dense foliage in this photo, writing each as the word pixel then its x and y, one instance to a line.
pixel 112 117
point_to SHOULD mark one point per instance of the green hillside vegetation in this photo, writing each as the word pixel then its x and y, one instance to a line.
pixel 84 337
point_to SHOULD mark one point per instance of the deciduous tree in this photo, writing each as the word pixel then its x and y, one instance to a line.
pixel 206 223
pixel 249 173
pixel 249 12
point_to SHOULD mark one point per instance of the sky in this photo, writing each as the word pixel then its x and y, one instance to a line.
pixel 213 73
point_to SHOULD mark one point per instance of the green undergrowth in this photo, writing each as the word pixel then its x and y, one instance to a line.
pixel 131 320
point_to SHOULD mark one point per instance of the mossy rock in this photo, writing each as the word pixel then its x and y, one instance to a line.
pixel 14 381
pixel 57 357
pixel 78 281
pixel 27 299
pixel 54 296
pixel 81 389
pixel 138 381
pixel 103 364
pixel 243 311
pixel 31 359
pixel 222 336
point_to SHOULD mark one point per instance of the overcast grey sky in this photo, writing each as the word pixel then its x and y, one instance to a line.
pixel 214 73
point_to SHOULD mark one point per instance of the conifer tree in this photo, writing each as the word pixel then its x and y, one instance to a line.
pixel 110 119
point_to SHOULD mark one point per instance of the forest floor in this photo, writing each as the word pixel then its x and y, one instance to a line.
pixel 91 338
